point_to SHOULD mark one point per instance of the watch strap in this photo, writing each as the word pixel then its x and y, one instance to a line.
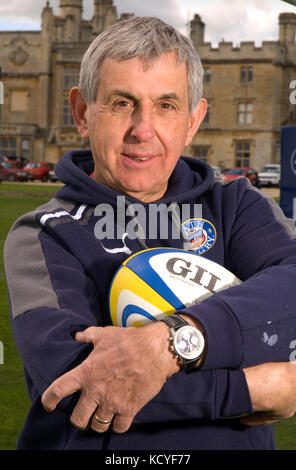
pixel 174 321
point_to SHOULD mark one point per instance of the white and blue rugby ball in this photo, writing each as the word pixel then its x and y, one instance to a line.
pixel 158 281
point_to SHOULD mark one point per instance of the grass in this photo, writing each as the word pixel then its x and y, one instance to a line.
pixel 15 200
pixel 13 396
pixel 28 189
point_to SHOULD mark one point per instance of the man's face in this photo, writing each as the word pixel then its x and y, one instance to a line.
pixel 139 124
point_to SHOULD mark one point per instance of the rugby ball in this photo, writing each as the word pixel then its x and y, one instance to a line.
pixel 158 281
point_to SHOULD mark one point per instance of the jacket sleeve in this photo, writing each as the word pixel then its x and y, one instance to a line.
pixel 51 300
pixel 254 322
pixel 49 303
pixel 208 395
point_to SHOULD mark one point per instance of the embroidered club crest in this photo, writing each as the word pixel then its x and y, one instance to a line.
pixel 200 233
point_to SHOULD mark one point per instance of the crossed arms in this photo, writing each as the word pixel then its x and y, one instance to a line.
pixel 134 363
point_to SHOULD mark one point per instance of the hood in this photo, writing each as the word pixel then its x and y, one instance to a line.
pixel 189 180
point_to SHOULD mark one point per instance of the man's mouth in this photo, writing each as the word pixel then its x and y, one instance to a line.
pixel 137 158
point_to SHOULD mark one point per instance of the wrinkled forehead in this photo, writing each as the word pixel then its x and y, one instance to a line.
pixel 168 67
pixel 147 61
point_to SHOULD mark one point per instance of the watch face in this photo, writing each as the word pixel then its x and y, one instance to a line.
pixel 189 342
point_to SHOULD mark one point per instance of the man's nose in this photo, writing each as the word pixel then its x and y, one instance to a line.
pixel 142 125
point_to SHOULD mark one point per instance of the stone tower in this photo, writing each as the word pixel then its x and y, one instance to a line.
pixel 71 8
pixel 197 31
pixel 45 65
pixel 287 28
pixel 105 14
pixel 71 13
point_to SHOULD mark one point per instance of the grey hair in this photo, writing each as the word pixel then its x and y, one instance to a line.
pixel 146 37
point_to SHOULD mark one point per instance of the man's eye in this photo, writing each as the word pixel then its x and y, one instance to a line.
pixel 166 106
pixel 122 104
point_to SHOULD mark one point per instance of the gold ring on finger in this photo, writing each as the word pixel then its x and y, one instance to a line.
pixel 102 421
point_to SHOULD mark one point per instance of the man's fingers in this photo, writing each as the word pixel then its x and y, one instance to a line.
pixel 83 411
pixel 104 418
pixel 87 336
pixel 101 420
pixel 62 387
pixel 122 423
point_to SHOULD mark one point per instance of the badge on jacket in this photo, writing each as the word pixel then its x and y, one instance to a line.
pixel 200 233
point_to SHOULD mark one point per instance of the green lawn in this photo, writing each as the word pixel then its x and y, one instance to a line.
pixel 16 199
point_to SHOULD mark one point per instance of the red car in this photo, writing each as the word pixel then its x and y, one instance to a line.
pixel 235 173
pixel 39 170
pixel 10 173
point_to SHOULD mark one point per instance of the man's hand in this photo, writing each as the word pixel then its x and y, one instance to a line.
pixel 272 388
pixel 125 370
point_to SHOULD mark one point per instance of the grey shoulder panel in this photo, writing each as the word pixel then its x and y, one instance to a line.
pixel 28 278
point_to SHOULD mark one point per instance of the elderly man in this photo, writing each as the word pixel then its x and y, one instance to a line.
pixel 140 102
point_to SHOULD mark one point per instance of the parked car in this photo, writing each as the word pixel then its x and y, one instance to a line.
pixel 39 170
pixel 270 175
pixel 18 162
pixel 3 158
pixel 235 173
pixel 10 173
pixel 52 176
pixel 217 174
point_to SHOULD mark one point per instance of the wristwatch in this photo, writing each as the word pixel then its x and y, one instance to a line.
pixel 187 343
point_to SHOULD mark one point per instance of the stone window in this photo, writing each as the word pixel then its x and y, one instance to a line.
pixel 246 74
pixel 242 154
pixel 8 146
pixel 68 119
pixel 26 148
pixel 71 77
pixel 207 75
pixel 245 113
pixel 201 152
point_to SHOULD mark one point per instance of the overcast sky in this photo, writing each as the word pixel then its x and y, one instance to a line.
pixel 231 20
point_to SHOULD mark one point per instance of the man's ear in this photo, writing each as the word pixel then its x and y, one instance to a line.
pixel 195 120
pixel 79 107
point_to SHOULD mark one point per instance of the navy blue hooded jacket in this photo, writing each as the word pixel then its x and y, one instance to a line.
pixel 59 273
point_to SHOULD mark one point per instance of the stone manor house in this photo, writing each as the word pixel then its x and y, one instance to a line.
pixel 247 88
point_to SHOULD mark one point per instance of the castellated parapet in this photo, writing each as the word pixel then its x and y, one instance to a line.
pixel 246 51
